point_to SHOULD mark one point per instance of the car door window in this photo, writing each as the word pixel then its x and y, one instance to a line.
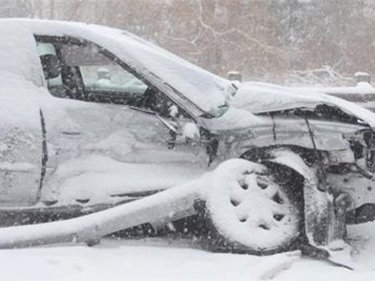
pixel 101 76
pixel 88 74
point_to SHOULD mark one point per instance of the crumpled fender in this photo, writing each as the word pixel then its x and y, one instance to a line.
pixel 319 210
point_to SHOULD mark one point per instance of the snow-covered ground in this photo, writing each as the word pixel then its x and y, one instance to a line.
pixel 173 259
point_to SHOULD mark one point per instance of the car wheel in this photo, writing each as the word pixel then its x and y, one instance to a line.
pixel 252 208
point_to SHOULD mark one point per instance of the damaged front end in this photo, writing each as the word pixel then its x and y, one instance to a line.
pixel 335 154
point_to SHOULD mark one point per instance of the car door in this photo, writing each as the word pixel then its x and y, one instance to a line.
pixel 118 138
pixel 21 132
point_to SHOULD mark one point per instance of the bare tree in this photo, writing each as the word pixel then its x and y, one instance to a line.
pixel 263 39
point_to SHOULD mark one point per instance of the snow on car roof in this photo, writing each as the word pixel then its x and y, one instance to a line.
pixel 165 70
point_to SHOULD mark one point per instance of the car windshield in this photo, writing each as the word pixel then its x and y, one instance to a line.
pixel 209 92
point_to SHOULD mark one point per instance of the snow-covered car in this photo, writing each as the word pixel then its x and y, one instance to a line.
pixel 94 117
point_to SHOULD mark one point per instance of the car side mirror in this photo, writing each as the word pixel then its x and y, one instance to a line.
pixel 51 66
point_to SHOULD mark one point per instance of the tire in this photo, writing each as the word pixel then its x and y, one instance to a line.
pixel 253 209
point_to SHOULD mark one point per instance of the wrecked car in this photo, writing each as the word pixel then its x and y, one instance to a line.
pixel 94 117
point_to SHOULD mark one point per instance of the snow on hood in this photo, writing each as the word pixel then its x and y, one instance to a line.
pixel 165 70
pixel 261 97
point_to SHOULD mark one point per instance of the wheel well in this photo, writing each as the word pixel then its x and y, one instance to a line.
pixel 282 172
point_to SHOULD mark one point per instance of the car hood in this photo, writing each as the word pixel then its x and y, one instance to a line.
pixel 261 98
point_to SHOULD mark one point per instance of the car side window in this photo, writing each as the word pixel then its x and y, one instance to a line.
pixel 86 73
pixel 102 78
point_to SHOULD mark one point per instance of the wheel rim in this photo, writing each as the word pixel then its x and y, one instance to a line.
pixel 250 208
